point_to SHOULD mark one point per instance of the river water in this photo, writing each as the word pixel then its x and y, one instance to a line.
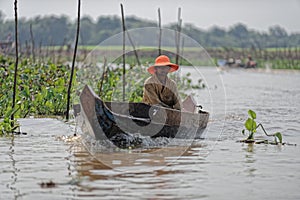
pixel 51 163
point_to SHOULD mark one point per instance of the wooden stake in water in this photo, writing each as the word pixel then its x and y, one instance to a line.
pixel 133 46
pixel 160 32
pixel 32 44
pixel 124 71
pixel 17 58
pixel 73 62
pixel 178 35
pixel 102 77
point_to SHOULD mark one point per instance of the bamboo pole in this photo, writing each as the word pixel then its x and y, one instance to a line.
pixel 102 77
pixel 41 58
pixel 61 50
pixel 17 58
pixel 124 71
pixel 32 44
pixel 134 50
pixel 27 49
pixel 182 49
pixel 73 62
pixel 52 52
pixel 160 32
pixel 131 42
pixel 178 35
pixel 47 50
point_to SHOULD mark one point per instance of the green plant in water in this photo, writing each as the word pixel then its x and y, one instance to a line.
pixel 7 125
pixel 252 127
pixel 41 90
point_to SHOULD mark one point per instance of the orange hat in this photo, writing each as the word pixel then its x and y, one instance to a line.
pixel 163 61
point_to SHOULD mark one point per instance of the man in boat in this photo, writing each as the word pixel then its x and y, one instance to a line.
pixel 250 63
pixel 159 89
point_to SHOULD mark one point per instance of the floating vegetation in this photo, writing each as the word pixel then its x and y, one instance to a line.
pixel 42 88
pixel 49 184
pixel 8 125
pixel 252 127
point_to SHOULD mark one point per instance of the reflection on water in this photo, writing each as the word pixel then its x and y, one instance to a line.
pixel 153 177
pixel 163 152
pixel 14 174
pixel 217 167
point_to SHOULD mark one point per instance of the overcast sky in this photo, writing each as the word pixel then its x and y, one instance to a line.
pixel 255 14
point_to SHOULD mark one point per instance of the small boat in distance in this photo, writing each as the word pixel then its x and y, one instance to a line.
pixel 104 120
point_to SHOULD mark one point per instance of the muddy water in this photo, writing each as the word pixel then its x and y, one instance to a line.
pixel 50 163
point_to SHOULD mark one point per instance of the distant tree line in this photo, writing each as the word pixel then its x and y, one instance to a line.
pixel 60 30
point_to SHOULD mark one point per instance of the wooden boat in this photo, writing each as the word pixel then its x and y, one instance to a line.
pixel 104 120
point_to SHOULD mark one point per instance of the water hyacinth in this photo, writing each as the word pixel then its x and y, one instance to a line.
pixel 251 126
pixel 42 86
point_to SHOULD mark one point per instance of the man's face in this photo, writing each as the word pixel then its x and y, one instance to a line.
pixel 162 70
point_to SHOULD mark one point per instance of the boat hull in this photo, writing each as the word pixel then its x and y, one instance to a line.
pixel 104 120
